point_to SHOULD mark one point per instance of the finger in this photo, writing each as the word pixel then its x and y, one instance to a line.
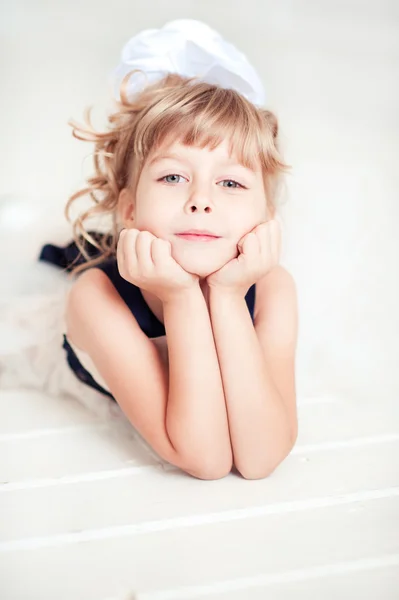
pixel 161 252
pixel 263 235
pixel 129 250
pixel 121 253
pixel 275 241
pixel 267 242
pixel 143 250
pixel 258 230
pixel 250 246
pixel 129 245
pixel 241 241
pixel 261 228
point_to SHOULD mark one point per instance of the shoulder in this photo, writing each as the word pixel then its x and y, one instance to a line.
pixel 276 319
pixel 91 288
pixel 277 286
pixel 92 295
pixel 278 275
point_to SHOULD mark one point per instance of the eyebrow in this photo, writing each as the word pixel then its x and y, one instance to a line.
pixel 233 163
pixel 160 157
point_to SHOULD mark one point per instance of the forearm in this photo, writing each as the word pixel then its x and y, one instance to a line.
pixel 257 417
pixel 196 418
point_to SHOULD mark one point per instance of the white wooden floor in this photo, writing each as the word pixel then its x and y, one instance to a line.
pixel 87 515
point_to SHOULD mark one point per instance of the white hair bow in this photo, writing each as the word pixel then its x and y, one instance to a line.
pixel 189 48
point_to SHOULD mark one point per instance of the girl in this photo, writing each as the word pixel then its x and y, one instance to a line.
pixel 181 313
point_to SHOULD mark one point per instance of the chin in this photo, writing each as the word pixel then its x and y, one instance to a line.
pixel 202 259
pixel 200 266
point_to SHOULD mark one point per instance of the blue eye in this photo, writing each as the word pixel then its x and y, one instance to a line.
pixel 174 178
pixel 231 181
pixel 168 178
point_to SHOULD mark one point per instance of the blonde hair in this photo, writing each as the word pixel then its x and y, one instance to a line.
pixel 193 112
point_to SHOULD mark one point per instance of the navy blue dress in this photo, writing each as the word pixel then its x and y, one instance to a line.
pixel 63 257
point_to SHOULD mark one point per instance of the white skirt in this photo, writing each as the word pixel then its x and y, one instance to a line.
pixel 31 352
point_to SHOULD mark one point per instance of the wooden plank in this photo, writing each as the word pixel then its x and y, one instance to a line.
pixel 367 579
pixel 57 454
pixel 135 500
pixel 61 453
pixel 342 419
pixel 24 411
pixel 210 554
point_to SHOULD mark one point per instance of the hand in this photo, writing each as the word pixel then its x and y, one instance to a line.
pixel 259 252
pixel 147 262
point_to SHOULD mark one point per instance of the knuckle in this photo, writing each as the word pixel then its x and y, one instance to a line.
pixel 145 235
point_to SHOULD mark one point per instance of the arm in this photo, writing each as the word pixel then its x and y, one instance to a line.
pixel 196 417
pixel 185 426
pixel 257 366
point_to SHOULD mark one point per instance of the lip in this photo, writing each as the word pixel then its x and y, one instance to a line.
pixel 197 238
pixel 199 233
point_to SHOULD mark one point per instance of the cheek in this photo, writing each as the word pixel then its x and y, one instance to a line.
pixel 246 215
pixel 243 226
pixel 152 216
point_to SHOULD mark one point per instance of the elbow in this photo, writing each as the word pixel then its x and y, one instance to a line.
pixel 263 469
pixel 209 472
pixel 208 462
pixel 211 475
pixel 210 468
pixel 260 473
pixel 256 470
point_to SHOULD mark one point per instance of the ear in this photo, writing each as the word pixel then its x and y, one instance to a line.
pixel 126 208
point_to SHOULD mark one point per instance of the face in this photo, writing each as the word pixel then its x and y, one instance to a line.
pixel 183 188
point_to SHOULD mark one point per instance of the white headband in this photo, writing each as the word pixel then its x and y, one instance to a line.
pixel 189 48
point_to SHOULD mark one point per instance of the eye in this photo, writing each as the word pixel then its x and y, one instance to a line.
pixel 172 178
pixel 232 184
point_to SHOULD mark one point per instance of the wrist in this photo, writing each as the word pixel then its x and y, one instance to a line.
pixel 226 301
pixel 230 293
pixel 183 295
pixel 227 306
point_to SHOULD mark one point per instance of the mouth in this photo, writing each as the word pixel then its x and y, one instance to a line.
pixel 198 235
pixel 195 237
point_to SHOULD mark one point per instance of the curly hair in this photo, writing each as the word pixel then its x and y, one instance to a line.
pixel 195 113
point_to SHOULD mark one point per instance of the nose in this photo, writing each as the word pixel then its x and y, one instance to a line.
pixel 199 201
